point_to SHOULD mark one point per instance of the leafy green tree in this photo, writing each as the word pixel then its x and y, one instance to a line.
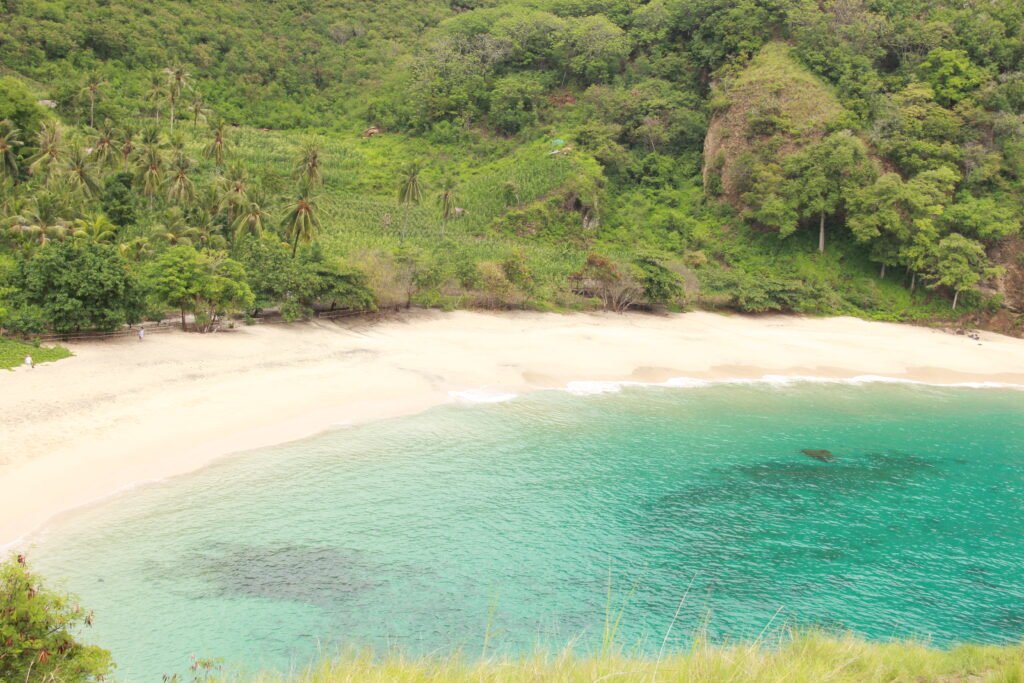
pixel 960 263
pixel 985 218
pixel 302 220
pixel 205 283
pixel 822 176
pixel 80 286
pixel 38 632
pixel 591 48
pixel 18 106
pixel 514 101
pixel 119 202
pixel 951 74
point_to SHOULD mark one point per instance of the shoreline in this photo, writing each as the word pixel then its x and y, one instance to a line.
pixel 121 414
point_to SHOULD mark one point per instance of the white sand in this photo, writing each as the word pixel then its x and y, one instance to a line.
pixel 124 412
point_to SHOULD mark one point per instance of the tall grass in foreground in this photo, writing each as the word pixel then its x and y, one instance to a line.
pixel 810 656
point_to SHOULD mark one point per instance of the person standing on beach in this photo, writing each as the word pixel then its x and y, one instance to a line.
pixel 29 363
pixel 142 333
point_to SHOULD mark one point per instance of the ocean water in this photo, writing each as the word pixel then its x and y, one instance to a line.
pixel 526 520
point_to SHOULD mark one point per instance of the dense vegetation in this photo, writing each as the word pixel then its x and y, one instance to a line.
pixel 852 156
pixel 37 632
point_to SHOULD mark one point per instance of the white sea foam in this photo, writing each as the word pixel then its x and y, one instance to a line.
pixel 481 396
pixel 589 388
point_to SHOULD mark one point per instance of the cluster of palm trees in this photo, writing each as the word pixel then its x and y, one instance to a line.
pixel 51 196
pixel 410 194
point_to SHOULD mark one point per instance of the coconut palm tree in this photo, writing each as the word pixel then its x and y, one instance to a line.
pixel 446 202
pixel 40 222
pixel 92 86
pixel 410 192
pixel 150 171
pixel 151 137
pixel 308 168
pixel 97 228
pixel 218 146
pixel 50 146
pixel 137 249
pixel 126 144
pixel 157 93
pixel 177 233
pixel 178 80
pixel 251 217
pixel 10 141
pixel 180 188
pixel 77 170
pixel 104 144
pixel 301 222
pixel 234 187
pixel 207 231
pixel 197 107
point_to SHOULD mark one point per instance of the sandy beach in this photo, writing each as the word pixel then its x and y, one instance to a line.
pixel 125 412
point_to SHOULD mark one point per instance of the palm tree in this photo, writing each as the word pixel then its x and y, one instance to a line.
pixel 446 201
pixel 308 168
pixel 177 233
pixel 234 187
pixel 218 146
pixel 92 86
pixel 151 137
pixel 137 249
pixel 178 80
pixel 50 144
pixel 97 227
pixel 78 171
pixel 198 109
pixel 179 186
pixel 150 171
pixel 207 231
pixel 410 192
pixel 250 218
pixel 103 144
pixel 127 144
pixel 10 141
pixel 301 221
pixel 156 93
pixel 40 222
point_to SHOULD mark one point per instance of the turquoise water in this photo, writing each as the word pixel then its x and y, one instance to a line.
pixel 426 533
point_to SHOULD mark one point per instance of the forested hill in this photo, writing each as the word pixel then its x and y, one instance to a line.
pixel 847 156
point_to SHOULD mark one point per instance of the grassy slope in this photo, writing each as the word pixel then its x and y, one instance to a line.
pixel 773 82
pixel 805 659
pixel 12 353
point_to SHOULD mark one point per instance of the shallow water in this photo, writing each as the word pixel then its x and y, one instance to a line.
pixel 512 519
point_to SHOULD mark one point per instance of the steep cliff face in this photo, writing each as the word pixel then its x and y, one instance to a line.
pixel 771 108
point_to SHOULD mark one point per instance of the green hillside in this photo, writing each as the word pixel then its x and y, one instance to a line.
pixel 565 154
